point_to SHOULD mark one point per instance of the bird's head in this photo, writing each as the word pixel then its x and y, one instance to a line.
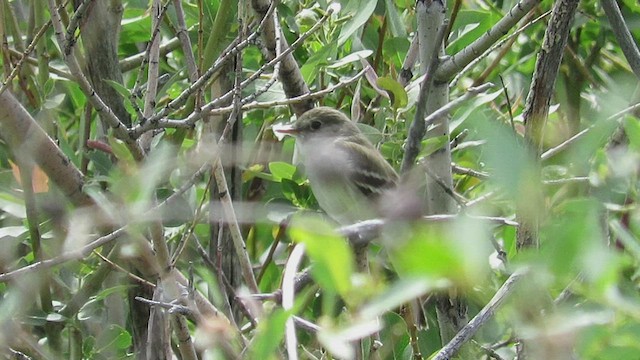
pixel 319 123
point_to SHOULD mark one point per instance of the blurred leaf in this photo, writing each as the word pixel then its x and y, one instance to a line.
pixel 374 135
pixel 12 205
pixel 54 101
pixel 574 230
pixel 114 336
pixel 120 150
pixel 395 50
pixel 270 333
pixel 396 295
pixel 339 341
pixel 39 180
pixel 430 145
pixel 632 129
pixel 12 231
pixel 329 252
pixel 136 24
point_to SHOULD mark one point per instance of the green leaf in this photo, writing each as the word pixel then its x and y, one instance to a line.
pixel 329 252
pixel 136 24
pixel 398 94
pixel 114 337
pixel 119 88
pixel 396 24
pixel 373 134
pixel 394 50
pixel 361 10
pixel 54 101
pixel 120 150
pixel 353 57
pixel 320 58
pixel 469 26
pixel 282 170
pixel 430 145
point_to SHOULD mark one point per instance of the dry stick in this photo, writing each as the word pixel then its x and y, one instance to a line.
pixel 417 129
pixel 24 56
pixel 444 110
pixel 555 150
pixel 276 67
pixel 210 108
pixel 236 235
pixel 119 129
pixel 185 344
pixel 128 273
pixel 364 231
pixel 487 312
pixel 60 259
pixel 183 35
pixel 288 296
pixel 204 78
pixel 153 53
pixel 291 78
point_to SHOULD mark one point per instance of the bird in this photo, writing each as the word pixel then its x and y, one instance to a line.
pixel 347 174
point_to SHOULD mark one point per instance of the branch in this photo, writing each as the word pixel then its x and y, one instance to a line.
pixel 623 35
pixel 26 136
pixel 455 63
pixel 511 37
pixel 487 312
pixel 565 144
pixel 418 129
pixel 443 111
pixel 110 118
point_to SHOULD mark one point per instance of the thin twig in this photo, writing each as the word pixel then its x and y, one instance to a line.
pixel 24 56
pixel 555 150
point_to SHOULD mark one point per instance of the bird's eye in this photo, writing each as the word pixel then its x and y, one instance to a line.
pixel 315 125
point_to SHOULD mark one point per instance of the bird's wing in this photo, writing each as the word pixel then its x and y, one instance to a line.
pixel 368 169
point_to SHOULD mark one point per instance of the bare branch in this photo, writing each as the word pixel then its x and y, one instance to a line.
pixel 487 312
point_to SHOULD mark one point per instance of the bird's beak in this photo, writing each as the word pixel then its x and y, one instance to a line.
pixel 280 130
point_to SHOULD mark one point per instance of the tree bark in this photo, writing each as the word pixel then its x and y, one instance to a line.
pixel 100 35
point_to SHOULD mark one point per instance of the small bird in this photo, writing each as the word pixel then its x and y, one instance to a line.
pixel 346 172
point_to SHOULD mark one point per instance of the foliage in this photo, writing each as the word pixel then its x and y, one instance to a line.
pixel 579 297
